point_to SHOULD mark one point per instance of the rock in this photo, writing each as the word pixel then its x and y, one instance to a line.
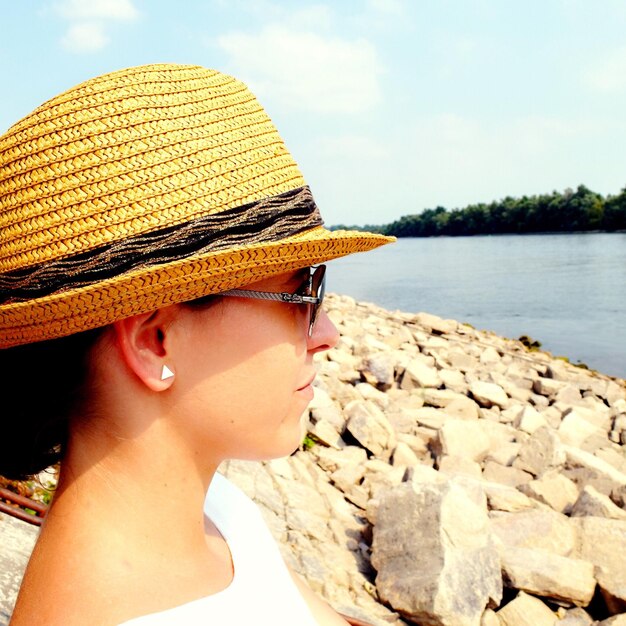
pixel 378 369
pixel 548 575
pixel 379 398
pixel 436 324
pixel 511 476
pixel 489 394
pixel 324 431
pixel 369 426
pixel 455 465
pixel 596 466
pixel 526 610
pixel 576 617
pixel 463 408
pixel 435 559
pixel 529 420
pixel 557 491
pixel 603 543
pixel 541 452
pixel 540 529
pixel 547 386
pixel 574 430
pixel 418 375
pixel 593 503
pixel 463 438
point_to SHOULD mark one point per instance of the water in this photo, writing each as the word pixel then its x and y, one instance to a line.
pixel 566 290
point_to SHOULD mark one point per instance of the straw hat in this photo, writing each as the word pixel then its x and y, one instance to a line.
pixel 146 187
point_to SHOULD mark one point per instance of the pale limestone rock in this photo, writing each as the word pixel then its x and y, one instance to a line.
pixel 529 420
pixel 603 542
pixel 576 617
pixel 369 426
pixel 596 504
pixel 542 529
pixel 404 455
pixel 455 465
pixel 462 361
pixel 547 386
pixel 541 452
pixel 331 460
pixel 526 610
pixel 574 430
pixel 441 398
pixel 382 478
pixel 488 394
pixel 453 379
pixel 602 469
pixel 510 476
pixel 434 555
pixel 436 324
pixel 327 433
pixel 489 356
pixel 418 445
pixel 505 454
pixel 378 369
pixel 503 498
pixel 489 618
pixel 570 394
pixel 463 408
pixel 614 456
pixel 594 411
pixel 430 417
pixel 548 575
pixel 552 488
pixel 379 398
pixel 418 375
pixel 464 438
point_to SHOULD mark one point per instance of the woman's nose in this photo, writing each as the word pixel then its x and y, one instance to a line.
pixel 325 334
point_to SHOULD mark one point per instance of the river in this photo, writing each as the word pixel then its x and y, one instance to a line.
pixel 566 290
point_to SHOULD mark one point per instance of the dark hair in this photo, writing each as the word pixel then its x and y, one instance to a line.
pixel 42 382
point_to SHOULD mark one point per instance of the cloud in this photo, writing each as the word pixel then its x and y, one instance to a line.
pixel 88 22
pixel 305 70
pixel 608 75
pixel 84 37
pixel 389 7
pixel 79 10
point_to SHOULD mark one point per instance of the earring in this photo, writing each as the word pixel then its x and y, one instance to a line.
pixel 166 373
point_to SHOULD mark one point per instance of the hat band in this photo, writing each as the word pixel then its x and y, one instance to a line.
pixel 266 220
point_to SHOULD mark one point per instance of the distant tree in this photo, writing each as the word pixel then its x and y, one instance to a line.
pixel 614 216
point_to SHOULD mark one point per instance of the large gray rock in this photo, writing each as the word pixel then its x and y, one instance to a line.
pixel 435 557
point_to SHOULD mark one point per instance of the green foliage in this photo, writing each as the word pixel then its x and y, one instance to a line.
pixel 531 344
pixel 570 211
pixel 308 442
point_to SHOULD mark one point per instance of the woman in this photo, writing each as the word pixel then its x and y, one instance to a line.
pixel 159 313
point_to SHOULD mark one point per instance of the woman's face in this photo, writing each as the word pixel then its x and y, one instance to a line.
pixel 244 371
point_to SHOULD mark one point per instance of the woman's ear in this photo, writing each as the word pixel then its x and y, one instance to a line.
pixel 143 341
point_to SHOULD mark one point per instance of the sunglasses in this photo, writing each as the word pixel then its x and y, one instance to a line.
pixel 311 294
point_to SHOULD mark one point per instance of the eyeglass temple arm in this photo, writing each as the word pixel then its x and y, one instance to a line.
pixel 293 298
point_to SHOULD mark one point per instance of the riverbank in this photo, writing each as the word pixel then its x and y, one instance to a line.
pixel 452 477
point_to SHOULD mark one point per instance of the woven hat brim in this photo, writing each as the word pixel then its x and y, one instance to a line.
pixel 149 288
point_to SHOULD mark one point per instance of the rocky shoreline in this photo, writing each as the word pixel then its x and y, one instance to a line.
pixel 457 479
pixel 451 477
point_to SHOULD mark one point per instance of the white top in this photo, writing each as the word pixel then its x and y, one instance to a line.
pixel 262 591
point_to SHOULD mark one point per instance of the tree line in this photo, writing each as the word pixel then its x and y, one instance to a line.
pixel 569 211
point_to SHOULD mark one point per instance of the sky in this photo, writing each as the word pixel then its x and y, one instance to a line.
pixel 388 106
